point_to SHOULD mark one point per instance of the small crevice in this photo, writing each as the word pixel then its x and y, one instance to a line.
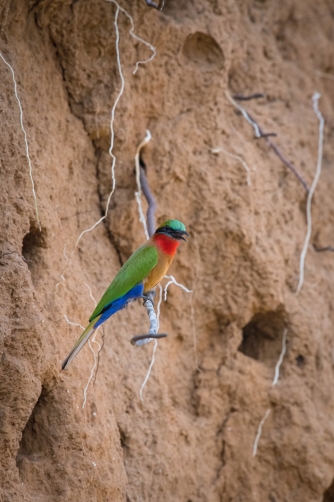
pixel 329 494
pixel 34 434
pixel 300 361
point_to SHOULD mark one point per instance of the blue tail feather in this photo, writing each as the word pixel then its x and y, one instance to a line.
pixel 119 304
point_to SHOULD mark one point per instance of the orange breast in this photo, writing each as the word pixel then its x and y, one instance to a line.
pixel 159 271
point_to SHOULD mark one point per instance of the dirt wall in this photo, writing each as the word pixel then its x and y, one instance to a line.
pixel 192 437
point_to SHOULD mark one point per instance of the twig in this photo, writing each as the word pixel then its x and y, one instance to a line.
pixel 267 134
pixel 154 323
pixel 260 134
pixel 144 142
pixel 147 338
pixel 149 228
pixel 321 250
pixel 158 6
pixel 241 97
pixel 25 141
pixel 259 432
pixel 288 164
pixel 315 99
pixel 150 215
pixel 281 357
pixel 155 345
pixel 236 157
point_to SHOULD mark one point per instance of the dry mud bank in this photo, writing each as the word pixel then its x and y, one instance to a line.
pixel 191 439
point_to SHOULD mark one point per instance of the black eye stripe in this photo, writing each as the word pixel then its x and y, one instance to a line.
pixel 162 230
pixel 167 229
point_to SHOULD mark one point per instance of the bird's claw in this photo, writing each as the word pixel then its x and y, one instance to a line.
pixel 149 293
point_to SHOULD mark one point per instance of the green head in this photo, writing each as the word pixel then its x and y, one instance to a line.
pixel 173 228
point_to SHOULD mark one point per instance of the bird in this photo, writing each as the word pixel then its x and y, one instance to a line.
pixel 145 268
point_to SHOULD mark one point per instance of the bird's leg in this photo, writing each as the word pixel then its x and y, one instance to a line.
pixel 149 304
pixel 149 295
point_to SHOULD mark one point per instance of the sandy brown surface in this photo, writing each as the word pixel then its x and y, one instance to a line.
pixel 191 439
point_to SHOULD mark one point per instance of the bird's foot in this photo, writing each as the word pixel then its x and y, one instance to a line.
pixel 154 325
pixel 149 293
pixel 149 297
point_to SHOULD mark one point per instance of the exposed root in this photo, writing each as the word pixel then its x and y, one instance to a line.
pixel 25 141
pixel 112 132
pixel 245 114
pixel 281 357
pixel 256 95
pixel 315 100
pixel 259 432
pixel 274 383
pixel 72 323
pixel 93 368
pixel 260 134
pixel 174 281
pixel 153 49
pixel 90 294
pixel 96 355
pixel 113 110
pixel 236 157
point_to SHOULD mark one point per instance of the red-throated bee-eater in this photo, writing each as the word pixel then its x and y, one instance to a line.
pixel 140 273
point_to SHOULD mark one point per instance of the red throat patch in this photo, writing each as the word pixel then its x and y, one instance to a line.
pixel 167 244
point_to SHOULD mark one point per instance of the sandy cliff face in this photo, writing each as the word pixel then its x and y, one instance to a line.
pixel 191 439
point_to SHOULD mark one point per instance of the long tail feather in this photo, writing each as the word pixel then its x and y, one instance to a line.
pixel 80 343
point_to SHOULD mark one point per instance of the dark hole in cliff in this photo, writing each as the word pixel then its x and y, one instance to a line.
pixel 204 51
pixel 262 336
pixel 32 250
pixel 300 361
pixel 34 435
pixel 329 494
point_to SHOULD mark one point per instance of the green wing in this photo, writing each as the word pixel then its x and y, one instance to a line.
pixel 134 270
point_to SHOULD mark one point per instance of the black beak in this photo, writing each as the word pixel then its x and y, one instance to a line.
pixel 178 234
